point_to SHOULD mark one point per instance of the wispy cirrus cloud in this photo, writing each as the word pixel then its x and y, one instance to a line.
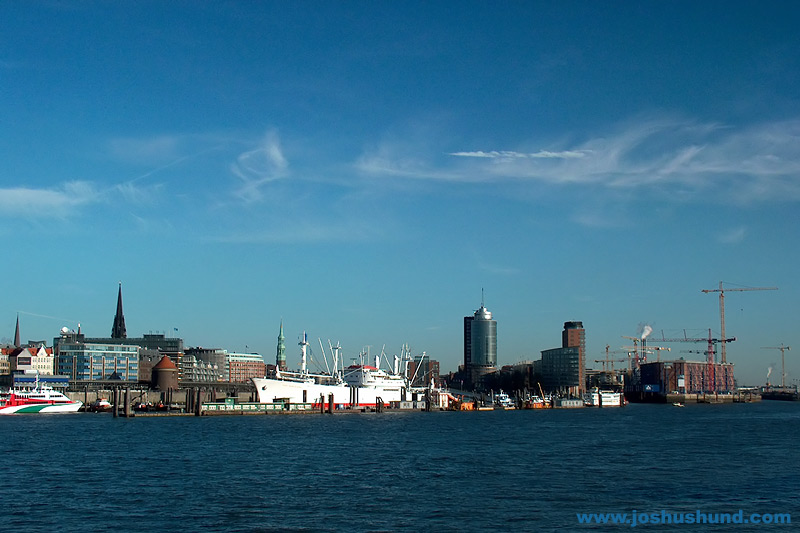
pixel 258 167
pixel 59 201
pixel 156 149
pixel 682 158
pixel 733 235
pixel 566 154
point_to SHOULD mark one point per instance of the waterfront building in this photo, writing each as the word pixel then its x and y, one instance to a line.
pixel 564 369
pixel 480 346
pixel 194 370
pixel 215 359
pixel 152 346
pixel 243 366
pixel 38 360
pixel 560 370
pixel 653 381
pixel 85 361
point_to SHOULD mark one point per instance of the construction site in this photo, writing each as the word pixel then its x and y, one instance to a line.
pixel 681 380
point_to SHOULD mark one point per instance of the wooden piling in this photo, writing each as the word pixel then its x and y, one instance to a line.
pixel 115 407
pixel 198 407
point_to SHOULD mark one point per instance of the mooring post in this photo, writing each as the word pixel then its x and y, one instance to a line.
pixel 198 406
pixel 115 396
pixel 127 402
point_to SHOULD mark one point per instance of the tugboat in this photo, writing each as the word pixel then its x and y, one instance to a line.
pixel 100 405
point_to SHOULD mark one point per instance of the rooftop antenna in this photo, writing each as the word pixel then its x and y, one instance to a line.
pixel 482 298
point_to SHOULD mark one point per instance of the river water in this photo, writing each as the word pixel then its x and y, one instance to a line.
pixel 468 471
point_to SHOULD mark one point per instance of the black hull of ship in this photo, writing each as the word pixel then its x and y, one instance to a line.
pixel 782 396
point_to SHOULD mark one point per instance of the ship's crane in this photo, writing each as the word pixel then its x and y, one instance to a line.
pixel 721 292
pixel 782 348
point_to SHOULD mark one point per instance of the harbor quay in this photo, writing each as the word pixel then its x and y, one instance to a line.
pixel 156 375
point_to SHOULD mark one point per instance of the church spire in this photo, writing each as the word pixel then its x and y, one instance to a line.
pixel 16 334
pixel 118 329
pixel 280 359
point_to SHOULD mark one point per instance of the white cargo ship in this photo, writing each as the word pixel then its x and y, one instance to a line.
pixel 358 385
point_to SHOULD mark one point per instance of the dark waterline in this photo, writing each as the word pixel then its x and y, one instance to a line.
pixel 499 471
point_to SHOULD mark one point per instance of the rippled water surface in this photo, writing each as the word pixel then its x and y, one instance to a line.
pixel 479 471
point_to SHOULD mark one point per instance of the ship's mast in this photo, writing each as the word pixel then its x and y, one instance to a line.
pixel 303 348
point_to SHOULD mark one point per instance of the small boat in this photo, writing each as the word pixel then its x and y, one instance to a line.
pixel 503 402
pixel 678 404
pixel 100 405
pixel 39 399
pixel 537 402
pixel 143 407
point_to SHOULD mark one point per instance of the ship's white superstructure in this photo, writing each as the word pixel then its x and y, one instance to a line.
pixel 39 399
pixel 603 398
pixel 358 385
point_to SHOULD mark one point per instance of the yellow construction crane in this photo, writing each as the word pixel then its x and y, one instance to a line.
pixel 721 292
pixel 606 361
pixel 783 371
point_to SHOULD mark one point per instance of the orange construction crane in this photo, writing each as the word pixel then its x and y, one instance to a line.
pixel 783 371
pixel 721 292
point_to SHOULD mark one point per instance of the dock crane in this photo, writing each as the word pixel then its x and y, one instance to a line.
pixel 721 292
pixel 783 372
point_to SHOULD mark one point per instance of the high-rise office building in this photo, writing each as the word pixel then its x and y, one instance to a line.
pixel 480 345
pixel 563 369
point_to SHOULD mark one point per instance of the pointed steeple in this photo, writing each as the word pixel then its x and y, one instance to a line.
pixel 280 359
pixel 118 329
pixel 16 334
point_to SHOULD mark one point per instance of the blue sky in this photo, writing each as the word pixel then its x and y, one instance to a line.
pixel 362 170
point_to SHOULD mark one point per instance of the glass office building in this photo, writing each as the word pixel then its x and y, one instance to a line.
pixel 96 362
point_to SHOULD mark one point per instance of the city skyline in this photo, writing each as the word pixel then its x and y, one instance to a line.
pixel 362 172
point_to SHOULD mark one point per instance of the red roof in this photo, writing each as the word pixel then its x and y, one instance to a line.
pixel 165 363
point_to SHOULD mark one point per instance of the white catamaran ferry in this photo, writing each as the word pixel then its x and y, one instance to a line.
pixel 39 399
